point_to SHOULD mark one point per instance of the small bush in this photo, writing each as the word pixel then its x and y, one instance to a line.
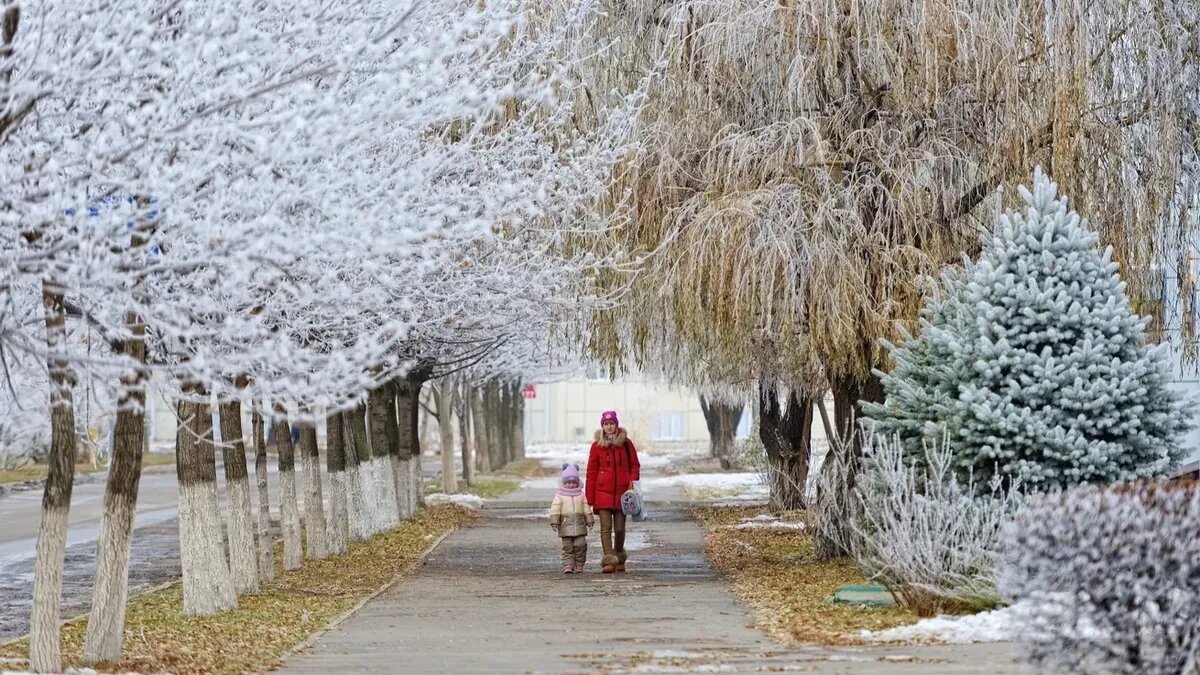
pixel 1111 577
pixel 923 533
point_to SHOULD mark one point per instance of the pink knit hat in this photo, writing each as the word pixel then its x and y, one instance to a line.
pixel 570 472
pixel 609 416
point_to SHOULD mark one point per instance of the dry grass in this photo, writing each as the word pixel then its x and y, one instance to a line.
pixel 774 572
pixel 253 637
pixel 38 471
pixel 527 468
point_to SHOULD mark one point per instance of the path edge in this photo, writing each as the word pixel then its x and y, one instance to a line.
pixel 341 618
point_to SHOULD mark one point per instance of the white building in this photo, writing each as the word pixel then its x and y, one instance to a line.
pixel 655 414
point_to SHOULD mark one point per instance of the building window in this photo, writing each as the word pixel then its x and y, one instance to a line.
pixel 667 427
pixel 598 374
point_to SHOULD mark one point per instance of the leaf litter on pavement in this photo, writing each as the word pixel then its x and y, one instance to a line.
pixel 253 637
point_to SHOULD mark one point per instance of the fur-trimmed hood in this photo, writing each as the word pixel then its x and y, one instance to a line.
pixel 619 440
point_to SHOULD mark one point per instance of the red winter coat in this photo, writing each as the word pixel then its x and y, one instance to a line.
pixel 610 470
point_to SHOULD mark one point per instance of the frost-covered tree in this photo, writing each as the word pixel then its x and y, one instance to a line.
pixel 1110 578
pixel 1033 361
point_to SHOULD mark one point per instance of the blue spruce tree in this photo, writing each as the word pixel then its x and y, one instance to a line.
pixel 1032 364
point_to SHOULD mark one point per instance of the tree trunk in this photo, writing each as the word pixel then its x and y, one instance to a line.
pixel 289 511
pixel 314 499
pixel 410 440
pixel 518 421
pixel 841 466
pixel 207 585
pixel 722 420
pixel 483 460
pixel 106 620
pixel 44 649
pixel 462 407
pixel 408 420
pixel 242 559
pixel 351 480
pixel 786 436
pixel 339 509
pixel 363 516
pixel 388 502
pixel 495 417
pixel 443 396
pixel 266 543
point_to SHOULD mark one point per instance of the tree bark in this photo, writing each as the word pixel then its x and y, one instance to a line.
pixel 443 395
pixel 411 440
pixel 106 620
pixel 45 654
pixel 462 407
pixel 387 502
pixel 243 562
pixel 207 585
pixel 289 511
pixel 335 458
pixel 483 459
pixel 408 414
pixel 722 420
pixel 786 434
pixel 314 499
pixel 362 518
pixel 518 421
pixel 496 435
pixel 266 543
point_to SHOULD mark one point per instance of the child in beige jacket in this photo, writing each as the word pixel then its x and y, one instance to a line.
pixel 570 517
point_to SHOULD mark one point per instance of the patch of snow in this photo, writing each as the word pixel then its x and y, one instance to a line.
pixel 765 521
pixel 748 484
pixel 997 625
pixel 469 501
pixel 635 540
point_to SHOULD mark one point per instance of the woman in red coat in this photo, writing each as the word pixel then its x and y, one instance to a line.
pixel 612 465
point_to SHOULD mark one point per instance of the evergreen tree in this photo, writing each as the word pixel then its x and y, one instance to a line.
pixel 1032 363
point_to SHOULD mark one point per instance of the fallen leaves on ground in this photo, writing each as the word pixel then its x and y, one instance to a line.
pixel 775 573
pixel 252 638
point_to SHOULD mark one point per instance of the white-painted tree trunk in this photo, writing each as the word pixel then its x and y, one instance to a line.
pixel 357 505
pixel 266 543
pixel 243 559
pixel 443 397
pixel 402 474
pixel 339 513
pixel 44 650
pixel 207 585
pixel 314 500
pixel 289 510
pixel 385 485
pixel 339 510
pixel 45 654
pixel 243 554
pixel 417 480
pixel 106 620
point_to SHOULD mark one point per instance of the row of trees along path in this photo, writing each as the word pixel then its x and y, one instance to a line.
pixel 297 220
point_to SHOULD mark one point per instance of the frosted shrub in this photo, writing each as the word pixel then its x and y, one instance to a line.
pixel 1034 362
pixel 1111 577
pixel 920 531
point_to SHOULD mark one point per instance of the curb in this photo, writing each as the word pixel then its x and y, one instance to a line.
pixel 341 618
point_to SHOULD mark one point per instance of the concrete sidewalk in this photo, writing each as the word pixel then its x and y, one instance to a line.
pixel 491 599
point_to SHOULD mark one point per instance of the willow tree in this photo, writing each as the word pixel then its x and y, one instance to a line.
pixel 802 164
